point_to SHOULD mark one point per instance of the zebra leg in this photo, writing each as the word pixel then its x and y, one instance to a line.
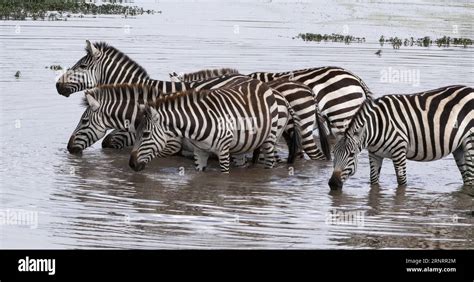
pixel 224 160
pixel 187 149
pixel 239 160
pixel 464 157
pixel 400 164
pixel 118 139
pixel 200 159
pixel 278 159
pixel 460 162
pixel 268 150
pixel 173 146
pixel 375 166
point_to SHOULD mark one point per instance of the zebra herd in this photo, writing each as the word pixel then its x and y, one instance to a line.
pixel 230 115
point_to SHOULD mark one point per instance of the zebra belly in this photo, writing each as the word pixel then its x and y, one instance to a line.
pixel 412 154
pixel 245 141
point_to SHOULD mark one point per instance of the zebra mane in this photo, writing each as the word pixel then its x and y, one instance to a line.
pixel 356 116
pixel 105 47
pixel 207 74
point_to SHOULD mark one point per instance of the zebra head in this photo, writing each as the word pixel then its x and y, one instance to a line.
pixel 346 151
pixel 103 64
pixel 84 74
pixel 151 139
pixel 90 128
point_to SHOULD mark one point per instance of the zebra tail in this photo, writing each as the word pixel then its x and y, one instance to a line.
pixel 323 136
pixel 369 95
pixel 294 144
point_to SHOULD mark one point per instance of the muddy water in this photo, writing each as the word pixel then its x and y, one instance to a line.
pixel 51 199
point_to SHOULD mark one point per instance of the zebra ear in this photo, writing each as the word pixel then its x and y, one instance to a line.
pixel 91 49
pixel 174 77
pixel 154 114
pixel 93 103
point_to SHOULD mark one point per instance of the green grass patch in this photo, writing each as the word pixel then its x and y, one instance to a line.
pixel 38 9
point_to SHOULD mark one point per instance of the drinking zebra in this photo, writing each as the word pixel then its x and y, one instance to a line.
pixel 224 121
pixel 105 65
pixel 422 127
pixel 301 100
pixel 339 93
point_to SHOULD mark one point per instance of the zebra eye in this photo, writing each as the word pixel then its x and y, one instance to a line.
pixel 83 66
pixel 146 134
pixel 84 120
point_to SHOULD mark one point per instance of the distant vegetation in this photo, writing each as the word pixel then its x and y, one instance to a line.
pixel 426 41
pixel 396 42
pixel 333 37
pixel 57 9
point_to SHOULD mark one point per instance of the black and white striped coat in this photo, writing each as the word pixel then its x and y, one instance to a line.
pixel 422 127
pixel 224 121
pixel 339 93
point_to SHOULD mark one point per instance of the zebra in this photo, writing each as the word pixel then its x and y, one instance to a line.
pixel 339 93
pixel 103 64
pixel 424 126
pixel 301 100
pixel 224 121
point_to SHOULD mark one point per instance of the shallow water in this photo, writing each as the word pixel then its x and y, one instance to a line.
pixel 97 201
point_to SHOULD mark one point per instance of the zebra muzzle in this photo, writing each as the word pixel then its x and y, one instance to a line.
pixel 72 147
pixel 134 164
pixel 335 181
pixel 63 89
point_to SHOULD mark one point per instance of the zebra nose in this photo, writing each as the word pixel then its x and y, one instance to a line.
pixel 62 89
pixel 335 181
pixel 133 162
pixel 72 148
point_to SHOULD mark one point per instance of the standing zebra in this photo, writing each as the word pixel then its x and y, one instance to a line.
pixel 421 127
pixel 301 100
pixel 231 120
pixel 105 65
pixel 339 93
